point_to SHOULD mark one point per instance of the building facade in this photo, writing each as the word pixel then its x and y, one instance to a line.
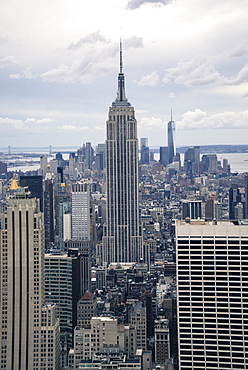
pixel 80 217
pixel 63 287
pixel 212 277
pixel 122 240
pixel 171 141
pixel 22 290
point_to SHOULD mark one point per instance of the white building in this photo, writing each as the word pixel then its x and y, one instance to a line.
pixel 21 290
pixel 103 332
pixel 80 218
pixel 212 276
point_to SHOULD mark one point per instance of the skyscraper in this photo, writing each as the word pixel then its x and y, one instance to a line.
pixel 80 211
pixel 122 240
pixel 23 314
pixel 63 287
pixel 171 140
pixel 246 195
pixel 144 151
pixel 212 295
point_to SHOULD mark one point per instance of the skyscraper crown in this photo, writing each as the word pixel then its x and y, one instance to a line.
pixel 121 99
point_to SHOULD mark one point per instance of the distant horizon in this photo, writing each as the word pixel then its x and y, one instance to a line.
pixel 75 147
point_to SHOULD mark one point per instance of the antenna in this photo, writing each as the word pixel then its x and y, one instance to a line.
pixel 171 113
pixel 121 66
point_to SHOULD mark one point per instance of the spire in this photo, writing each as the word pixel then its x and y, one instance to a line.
pixel 171 114
pixel 121 65
pixel 14 184
pixel 121 99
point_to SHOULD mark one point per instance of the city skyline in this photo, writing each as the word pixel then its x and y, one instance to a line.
pixel 58 68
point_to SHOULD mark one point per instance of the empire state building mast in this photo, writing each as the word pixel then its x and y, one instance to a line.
pixel 122 240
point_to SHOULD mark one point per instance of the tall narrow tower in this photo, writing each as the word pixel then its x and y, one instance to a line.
pixel 171 140
pixel 26 321
pixel 122 240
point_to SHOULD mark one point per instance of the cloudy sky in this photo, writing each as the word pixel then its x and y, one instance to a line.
pixel 59 65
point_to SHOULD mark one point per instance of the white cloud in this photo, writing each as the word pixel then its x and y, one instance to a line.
pixel 151 79
pixel 134 4
pixel 141 111
pixel 198 71
pixel 133 42
pixel 68 127
pixel 39 121
pixel 225 120
pixel 86 68
pixel 73 128
pixel 26 73
pixel 99 128
pixel 7 61
pixel 91 38
pixel 27 124
pixel 240 51
pixel 81 70
pixel 151 123
pixel 172 95
pixel 15 123
pixel 242 77
pixel 15 76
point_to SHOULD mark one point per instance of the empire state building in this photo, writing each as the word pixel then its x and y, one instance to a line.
pixel 122 240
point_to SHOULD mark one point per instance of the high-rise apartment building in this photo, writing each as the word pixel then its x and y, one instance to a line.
pixel 22 309
pixel 212 277
pixel 122 240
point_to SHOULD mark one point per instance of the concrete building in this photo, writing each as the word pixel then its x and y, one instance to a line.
pixel 162 341
pixel 3 168
pixel 144 151
pixel 63 287
pixel 84 249
pixel 22 292
pixel 122 240
pixel 43 165
pixel 163 155
pixel 50 338
pixel 80 217
pixel 103 333
pixel 35 186
pixel 111 360
pixel 212 295
pixel 192 209
pixel 137 318
pixel 48 212
pixel 86 309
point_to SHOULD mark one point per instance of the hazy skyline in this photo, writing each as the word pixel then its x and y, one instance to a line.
pixel 59 64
